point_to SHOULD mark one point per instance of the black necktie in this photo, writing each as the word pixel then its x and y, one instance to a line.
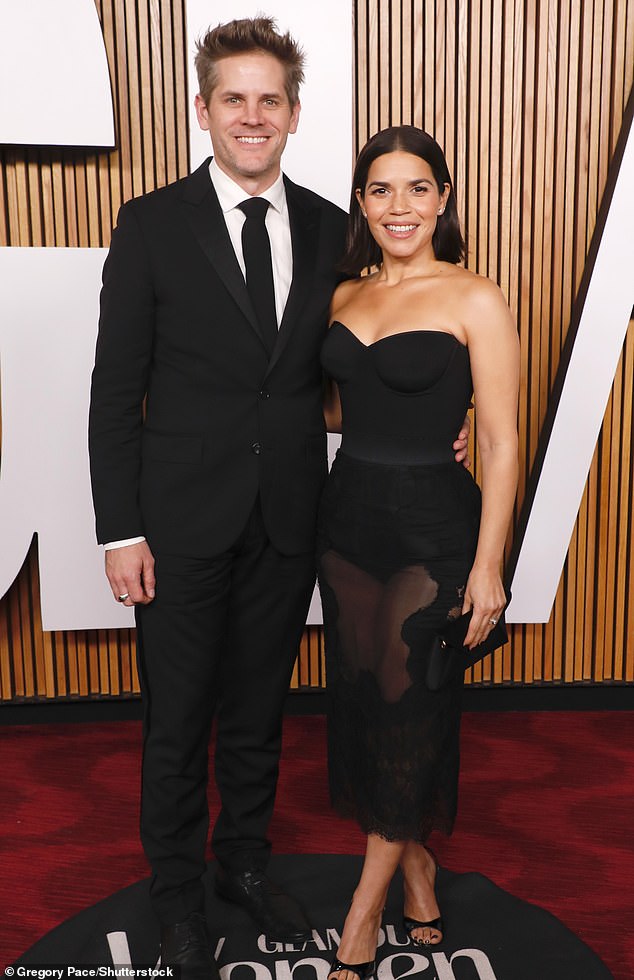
pixel 256 249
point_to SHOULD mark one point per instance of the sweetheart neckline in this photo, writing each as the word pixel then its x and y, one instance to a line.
pixel 400 333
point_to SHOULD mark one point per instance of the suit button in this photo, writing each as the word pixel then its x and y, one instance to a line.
pixel 264 394
pixel 256 448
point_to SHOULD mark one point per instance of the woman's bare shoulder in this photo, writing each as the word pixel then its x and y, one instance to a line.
pixel 477 295
pixel 344 294
pixel 476 286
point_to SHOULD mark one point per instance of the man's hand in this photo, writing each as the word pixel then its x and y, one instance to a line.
pixel 460 445
pixel 130 571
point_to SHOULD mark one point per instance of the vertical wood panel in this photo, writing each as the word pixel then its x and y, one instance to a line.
pixel 527 98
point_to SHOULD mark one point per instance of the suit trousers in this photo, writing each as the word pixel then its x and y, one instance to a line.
pixel 220 637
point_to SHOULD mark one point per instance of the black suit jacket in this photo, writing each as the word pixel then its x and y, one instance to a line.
pixel 222 421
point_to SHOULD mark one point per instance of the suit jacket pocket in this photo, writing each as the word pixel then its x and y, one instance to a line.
pixel 172 449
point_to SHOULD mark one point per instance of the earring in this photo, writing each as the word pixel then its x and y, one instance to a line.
pixel 364 213
pixel 441 210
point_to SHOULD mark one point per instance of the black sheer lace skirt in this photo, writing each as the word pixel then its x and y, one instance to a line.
pixel 396 544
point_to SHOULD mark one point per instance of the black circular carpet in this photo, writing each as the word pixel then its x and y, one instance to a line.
pixel 489 934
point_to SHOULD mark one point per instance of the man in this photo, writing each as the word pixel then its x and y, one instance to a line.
pixel 213 494
pixel 208 455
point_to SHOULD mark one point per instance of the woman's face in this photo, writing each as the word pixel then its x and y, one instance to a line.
pixel 402 203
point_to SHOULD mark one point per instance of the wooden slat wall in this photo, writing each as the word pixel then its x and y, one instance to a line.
pixel 527 99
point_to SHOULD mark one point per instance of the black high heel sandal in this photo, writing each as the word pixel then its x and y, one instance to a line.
pixel 362 970
pixel 410 925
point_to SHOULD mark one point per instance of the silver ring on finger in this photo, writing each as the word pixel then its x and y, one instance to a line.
pixel 123 597
pixel 493 622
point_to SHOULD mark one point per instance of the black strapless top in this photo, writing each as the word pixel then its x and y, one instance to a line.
pixel 403 398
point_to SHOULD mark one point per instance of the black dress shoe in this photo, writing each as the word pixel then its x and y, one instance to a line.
pixel 278 915
pixel 363 970
pixel 187 945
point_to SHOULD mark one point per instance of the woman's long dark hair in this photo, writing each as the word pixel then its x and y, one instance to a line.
pixel 361 249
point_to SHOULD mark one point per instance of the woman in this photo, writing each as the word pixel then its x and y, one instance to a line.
pixel 405 544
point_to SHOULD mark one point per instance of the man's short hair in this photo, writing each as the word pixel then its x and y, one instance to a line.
pixel 241 37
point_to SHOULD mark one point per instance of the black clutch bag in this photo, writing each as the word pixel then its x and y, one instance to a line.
pixel 449 655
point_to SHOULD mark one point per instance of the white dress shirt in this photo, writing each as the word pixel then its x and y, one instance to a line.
pixel 230 195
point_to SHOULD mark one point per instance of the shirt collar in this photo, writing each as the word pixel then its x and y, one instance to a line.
pixel 230 194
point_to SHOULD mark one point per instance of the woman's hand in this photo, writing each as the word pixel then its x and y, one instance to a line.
pixel 484 595
pixel 460 446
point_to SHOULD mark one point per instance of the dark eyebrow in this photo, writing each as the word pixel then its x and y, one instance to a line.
pixel 229 94
pixel 412 183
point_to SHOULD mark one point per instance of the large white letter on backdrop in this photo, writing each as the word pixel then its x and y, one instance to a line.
pixel 319 155
pixel 54 81
pixel 581 394
pixel 48 327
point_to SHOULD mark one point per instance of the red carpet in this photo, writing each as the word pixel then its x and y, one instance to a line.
pixel 545 813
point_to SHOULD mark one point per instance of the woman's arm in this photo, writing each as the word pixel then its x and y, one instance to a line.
pixel 332 406
pixel 494 355
pixel 332 403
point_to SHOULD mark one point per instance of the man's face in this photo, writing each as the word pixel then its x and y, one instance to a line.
pixel 249 118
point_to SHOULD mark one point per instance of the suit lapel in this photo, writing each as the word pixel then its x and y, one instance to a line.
pixel 304 224
pixel 210 230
